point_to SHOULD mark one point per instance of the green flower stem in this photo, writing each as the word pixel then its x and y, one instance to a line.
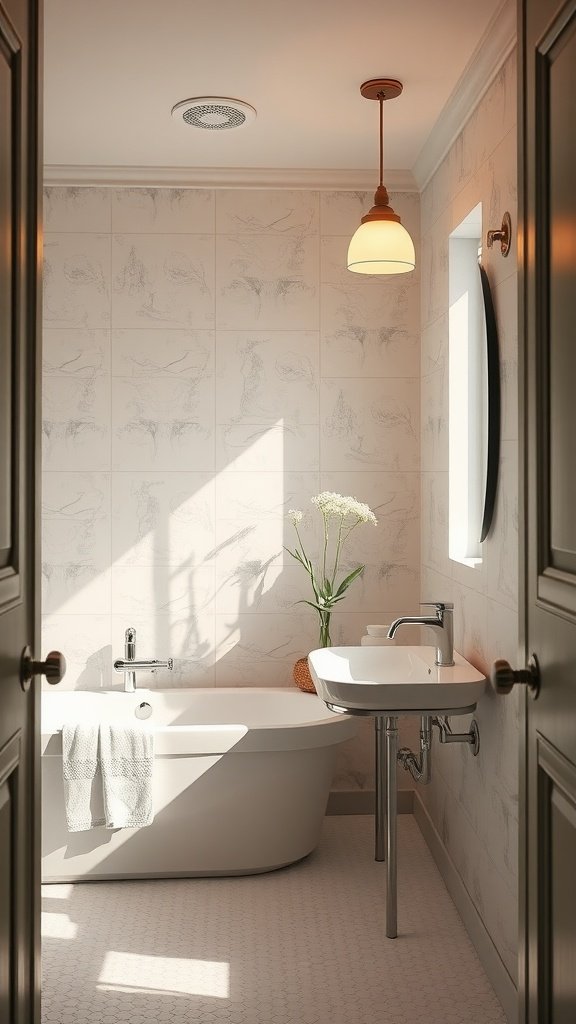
pixel 338 547
pixel 325 518
pixel 325 639
pixel 341 542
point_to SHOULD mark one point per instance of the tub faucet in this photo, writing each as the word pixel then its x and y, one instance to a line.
pixel 442 623
pixel 129 666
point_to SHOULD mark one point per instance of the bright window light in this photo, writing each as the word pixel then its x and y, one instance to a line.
pixel 138 973
pixel 467 391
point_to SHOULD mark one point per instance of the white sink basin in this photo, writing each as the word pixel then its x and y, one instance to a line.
pixel 394 680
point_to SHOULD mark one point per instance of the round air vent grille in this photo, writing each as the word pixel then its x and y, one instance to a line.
pixel 213 113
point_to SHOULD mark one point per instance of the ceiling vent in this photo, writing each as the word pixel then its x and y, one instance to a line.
pixel 213 113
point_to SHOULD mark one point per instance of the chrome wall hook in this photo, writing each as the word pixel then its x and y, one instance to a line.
pixel 504 235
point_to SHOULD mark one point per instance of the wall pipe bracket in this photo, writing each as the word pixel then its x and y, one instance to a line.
pixel 472 737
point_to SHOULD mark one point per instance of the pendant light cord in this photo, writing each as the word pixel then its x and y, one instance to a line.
pixel 381 99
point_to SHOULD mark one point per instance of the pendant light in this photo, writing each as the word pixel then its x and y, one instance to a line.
pixel 381 245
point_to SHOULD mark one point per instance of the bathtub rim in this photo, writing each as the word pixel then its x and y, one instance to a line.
pixel 174 740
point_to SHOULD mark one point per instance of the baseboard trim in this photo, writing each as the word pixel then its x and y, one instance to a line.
pixel 492 963
pixel 361 801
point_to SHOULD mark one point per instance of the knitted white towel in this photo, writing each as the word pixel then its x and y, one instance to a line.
pixel 80 762
pixel 126 760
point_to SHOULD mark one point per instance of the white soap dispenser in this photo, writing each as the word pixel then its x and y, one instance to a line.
pixel 377 636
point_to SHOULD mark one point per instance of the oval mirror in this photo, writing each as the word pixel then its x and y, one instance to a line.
pixel 492 406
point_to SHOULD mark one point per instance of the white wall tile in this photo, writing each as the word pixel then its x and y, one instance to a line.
pixel 165 352
pixel 76 423
pixel 435 522
pixel 434 345
pixel 77 352
pixel 76 280
pixel 163 518
pixel 502 549
pixel 162 423
pixel 267 377
pixel 341 212
pixel 85 642
pixel 69 497
pixel 177 591
pixel 78 583
pixel 256 586
pixel 370 424
pixel 163 210
pixel 267 282
pixel 251 516
pixel 164 280
pixel 77 209
pixel 248 447
pixel 250 652
pixel 277 212
pixel 433 406
pixel 434 270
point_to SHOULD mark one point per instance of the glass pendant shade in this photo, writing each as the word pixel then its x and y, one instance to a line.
pixel 381 247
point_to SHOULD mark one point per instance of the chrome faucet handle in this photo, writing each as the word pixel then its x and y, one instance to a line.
pixel 130 644
pixel 440 606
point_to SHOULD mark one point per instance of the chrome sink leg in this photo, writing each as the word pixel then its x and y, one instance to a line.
pixel 391 828
pixel 380 791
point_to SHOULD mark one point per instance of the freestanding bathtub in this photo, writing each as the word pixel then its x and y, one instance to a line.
pixel 241 782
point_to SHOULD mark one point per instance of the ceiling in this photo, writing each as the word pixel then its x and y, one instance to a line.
pixel 113 71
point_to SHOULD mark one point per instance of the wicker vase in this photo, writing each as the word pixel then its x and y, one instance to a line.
pixel 302 676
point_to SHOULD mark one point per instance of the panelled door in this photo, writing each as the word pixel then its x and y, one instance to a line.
pixel 19 293
pixel 548 343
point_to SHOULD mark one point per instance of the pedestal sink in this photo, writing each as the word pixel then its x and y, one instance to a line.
pixel 394 680
pixel 386 682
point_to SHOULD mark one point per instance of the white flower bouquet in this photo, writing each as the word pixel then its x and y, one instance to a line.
pixel 340 516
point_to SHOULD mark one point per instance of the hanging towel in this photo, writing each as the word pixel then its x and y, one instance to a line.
pixel 126 760
pixel 80 763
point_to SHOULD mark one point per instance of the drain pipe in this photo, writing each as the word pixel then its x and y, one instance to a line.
pixel 419 767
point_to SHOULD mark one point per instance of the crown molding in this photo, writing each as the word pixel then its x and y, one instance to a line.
pixel 495 46
pixel 227 177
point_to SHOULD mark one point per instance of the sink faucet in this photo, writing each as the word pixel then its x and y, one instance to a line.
pixel 129 666
pixel 442 622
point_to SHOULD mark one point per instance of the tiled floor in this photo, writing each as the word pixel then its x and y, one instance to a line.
pixel 303 945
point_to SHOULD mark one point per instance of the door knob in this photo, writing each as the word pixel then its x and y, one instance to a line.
pixel 503 677
pixel 54 668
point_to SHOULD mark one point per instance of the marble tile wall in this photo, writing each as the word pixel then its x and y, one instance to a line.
pixel 474 802
pixel 209 363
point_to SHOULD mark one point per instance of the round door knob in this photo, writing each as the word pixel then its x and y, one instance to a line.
pixel 503 677
pixel 54 668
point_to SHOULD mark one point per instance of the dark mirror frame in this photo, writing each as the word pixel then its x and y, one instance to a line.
pixel 493 425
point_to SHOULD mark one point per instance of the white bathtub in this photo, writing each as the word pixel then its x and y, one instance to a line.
pixel 241 782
